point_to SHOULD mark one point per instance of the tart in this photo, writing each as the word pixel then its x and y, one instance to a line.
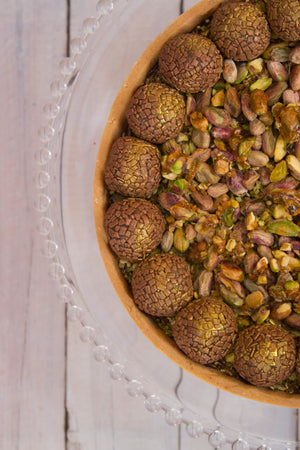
pixel 228 195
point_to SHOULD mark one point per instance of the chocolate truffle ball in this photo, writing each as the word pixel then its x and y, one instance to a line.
pixel 284 18
pixel 205 330
pixel 134 228
pixel 240 31
pixel 265 354
pixel 133 167
pixel 156 112
pixel 162 284
pixel 190 62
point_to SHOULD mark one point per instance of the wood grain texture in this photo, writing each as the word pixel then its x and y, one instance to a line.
pixel 33 325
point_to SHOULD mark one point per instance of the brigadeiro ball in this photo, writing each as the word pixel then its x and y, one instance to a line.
pixel 265 354
pixel 240 31
pixel 156 112
pixel 134 228
pixel 205 330
pixel 284 18
pixel 162 284
pixel 133 167
pixel 190 62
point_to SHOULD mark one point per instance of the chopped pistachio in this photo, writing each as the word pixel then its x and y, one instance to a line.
pixel 251 221
pixel 255 66
pixel 217 116
pixel 283 228
pixel 286 247
pixel 279 172
pixel 262 279
pixel 280 149
pixel 274 265
pixel 254 299
pixel 230 72
pixel 219 98
pixel 259 101
pixel 275 91
pixel 257 158
pixel 180 242
pixel 232 271
pixel 242 73
pixel 279 212
pixel 278 51
pixel 180 183
pixel 245 146
pixel 261 314
pixel 284 262
pixel 167 241
pixel 277 71
pixel 231 244
pixel 198 121
pixel 278 254
pixel 294 78
pixel 177 167
pixel 293 165
pixel 230 297
pixel 291 285
pixel 281 311
pixel 261 83
pixel 234 203
pixel 232 102
pixel 228 217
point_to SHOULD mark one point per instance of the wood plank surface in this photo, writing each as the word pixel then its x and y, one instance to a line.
pixel 32 331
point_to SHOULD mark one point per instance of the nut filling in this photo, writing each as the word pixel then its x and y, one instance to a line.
pixel 211 252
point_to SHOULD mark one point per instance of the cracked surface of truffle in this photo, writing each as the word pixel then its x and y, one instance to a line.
pixel 205 330
pixel 265 354
pixel 134 228
pixel 240 31
pixel 156 112
pixel 133 167
pixel 162 284
pixel 284 18
pixel 190 62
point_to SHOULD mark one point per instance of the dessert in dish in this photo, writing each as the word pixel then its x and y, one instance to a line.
pixel 203 247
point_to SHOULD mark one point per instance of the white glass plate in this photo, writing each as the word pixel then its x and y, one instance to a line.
pixel 75 116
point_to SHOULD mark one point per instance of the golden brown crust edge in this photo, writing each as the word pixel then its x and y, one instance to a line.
pixel 113 129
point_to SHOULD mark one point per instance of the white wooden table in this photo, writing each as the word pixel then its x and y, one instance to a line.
pixel 53 394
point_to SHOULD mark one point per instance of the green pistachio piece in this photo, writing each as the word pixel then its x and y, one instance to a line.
pixel 229 71
pixel 177 167
pixel 255 66
pixel 217 116
pixel 283 228
pixel 278 52
pixel 246 145
pixel 261 315
pixel 280 149
pixel 261 83
pixel 228 217
pixel 291 285
pixel 180 183
pixel 275 92
pixel 242 73
pixel 231 298
pixel 279 172
pixel 279 212
pixel 180 242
